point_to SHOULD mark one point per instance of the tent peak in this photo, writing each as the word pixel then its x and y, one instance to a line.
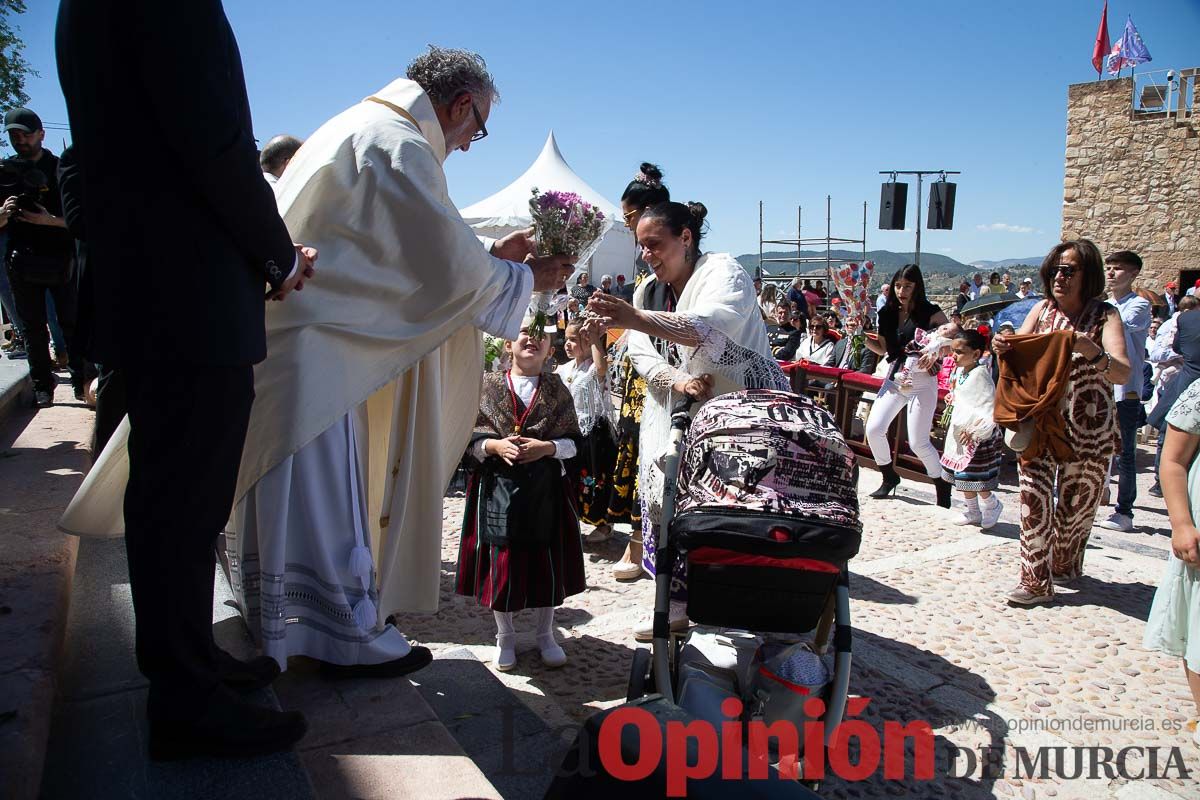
pixel 550 150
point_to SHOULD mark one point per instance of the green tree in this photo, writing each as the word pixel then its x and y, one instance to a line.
pixel 14 69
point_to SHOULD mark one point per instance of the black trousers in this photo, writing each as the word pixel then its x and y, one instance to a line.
pixel 187 428
pixel 111 407
pixel 31 308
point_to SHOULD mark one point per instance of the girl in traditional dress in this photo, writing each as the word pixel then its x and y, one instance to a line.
pixel 694 329
pixel 646 189
pixel 586 377
pixel 974 443
pixel 520 544
pixel 1174 625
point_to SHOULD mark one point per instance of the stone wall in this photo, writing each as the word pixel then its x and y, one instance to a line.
pixel 1132 180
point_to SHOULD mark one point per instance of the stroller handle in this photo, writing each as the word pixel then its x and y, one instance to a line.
pixel 665 555
pixel 680 411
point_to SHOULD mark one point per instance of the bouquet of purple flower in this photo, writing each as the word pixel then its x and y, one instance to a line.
pixel 565 224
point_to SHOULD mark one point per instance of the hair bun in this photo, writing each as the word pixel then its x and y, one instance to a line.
pixel 651 171
pixel 697 210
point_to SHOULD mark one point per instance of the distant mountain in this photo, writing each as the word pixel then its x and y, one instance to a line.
pixel 1008 263
pixel 886 262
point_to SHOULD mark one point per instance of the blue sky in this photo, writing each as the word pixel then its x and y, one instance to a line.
pixel 783 102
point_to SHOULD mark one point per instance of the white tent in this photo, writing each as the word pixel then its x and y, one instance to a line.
pixel 508 210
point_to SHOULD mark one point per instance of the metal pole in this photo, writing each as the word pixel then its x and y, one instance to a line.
pixel 864 258
pixel 760 238
pixel 828 234
pixel 799 235
pixel 918 253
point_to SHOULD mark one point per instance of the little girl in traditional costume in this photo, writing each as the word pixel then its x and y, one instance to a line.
pixel 586 378
pixel 520 544
pixel 974 443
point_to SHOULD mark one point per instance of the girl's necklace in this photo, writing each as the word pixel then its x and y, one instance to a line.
pixel 518 418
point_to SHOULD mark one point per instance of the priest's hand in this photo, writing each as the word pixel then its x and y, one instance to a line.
pixel 306 259
pixel 509 450
pixel 549 272
pixel 534 449
pixel 514 247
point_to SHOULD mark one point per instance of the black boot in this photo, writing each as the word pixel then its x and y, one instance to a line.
pixel 890 481
pixel 246 676
pixel 228 726
pixel 943 488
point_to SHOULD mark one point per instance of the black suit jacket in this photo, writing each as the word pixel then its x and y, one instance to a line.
pixel 183 232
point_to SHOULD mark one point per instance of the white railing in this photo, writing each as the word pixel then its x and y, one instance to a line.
pixel 1166 92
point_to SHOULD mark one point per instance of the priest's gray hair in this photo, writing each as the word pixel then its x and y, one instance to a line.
pixel 446 74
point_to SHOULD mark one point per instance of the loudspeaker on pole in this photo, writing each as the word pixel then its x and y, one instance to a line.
pixel 941 205
pixel 893 201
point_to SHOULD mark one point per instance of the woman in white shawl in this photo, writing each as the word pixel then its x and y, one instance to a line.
pixel 693 328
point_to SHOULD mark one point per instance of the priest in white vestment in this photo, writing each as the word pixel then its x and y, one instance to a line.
pixel 370 388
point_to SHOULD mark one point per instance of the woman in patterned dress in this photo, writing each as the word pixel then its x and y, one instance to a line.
pixel 1060 497
pixel 646 189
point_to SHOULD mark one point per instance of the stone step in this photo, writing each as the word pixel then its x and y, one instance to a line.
pixel 513 746
pixel 98 734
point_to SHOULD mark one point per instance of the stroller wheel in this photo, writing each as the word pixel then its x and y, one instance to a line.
pixel 639 675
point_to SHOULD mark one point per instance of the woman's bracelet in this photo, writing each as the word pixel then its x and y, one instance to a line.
pixel 1107 363
pixel 1099 356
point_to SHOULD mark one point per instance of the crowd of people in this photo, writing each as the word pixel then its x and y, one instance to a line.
pixel 345 404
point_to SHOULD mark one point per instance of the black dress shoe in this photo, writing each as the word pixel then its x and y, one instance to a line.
pixel 228 727
pixel 417 658
pixel 246 676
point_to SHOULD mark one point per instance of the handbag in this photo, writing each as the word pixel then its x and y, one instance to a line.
pixel 521 503
pixel 42 270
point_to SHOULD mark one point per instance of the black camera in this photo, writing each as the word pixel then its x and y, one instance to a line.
pixel 22 179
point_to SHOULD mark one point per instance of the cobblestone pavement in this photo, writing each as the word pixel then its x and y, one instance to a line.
pixel 933 640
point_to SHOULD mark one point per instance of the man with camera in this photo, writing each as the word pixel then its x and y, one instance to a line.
pixel 40 254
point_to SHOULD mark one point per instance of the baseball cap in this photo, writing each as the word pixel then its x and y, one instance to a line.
pixel 1027 280
pixel 1171 284
pixel 22 119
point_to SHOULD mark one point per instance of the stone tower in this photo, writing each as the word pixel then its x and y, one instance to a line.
pixel 1133 177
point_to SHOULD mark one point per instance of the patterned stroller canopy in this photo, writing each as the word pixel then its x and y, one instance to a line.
pixel 768 451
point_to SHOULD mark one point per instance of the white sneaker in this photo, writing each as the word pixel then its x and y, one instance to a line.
pixel 506 651
pixel 990 514
pixel 1117 522
pixel 552 654
pixel 970 516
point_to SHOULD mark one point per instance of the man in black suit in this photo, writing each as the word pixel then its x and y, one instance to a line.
pixel 182 248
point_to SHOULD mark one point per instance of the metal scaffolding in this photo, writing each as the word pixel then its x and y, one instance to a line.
pixel 800 243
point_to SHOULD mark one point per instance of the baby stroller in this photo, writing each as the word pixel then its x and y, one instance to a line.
pixel 765 508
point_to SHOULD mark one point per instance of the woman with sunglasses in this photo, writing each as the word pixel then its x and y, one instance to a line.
pixel 1059 498
pixel 645 190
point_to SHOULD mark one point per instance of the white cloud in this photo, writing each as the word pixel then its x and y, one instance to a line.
pixel 1005 227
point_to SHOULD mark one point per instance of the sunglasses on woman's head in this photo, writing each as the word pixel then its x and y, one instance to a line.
pixel 1066 270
